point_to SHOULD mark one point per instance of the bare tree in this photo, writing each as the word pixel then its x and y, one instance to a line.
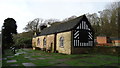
pixel 38 24
pixel 34 25
pixel 69 18
pixel 93 18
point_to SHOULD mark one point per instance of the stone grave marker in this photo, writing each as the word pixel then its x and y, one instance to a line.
pixel 41 58
pixel 14 65
pixel 10 56
pixel 11 61
pixel 4 58
pixel 28 64
pixel 32 59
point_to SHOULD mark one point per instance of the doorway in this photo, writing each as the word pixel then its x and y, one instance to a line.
pixel 51 47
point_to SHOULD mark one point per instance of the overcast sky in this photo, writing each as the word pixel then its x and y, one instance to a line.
pixel 24 11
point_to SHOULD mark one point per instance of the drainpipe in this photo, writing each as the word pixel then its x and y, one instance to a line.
pixel 55 41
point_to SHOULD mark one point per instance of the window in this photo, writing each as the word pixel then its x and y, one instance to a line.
pixel 44 41
pixel 61 42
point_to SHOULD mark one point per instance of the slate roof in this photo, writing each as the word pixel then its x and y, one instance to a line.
pixel 62 27
pixel 115 38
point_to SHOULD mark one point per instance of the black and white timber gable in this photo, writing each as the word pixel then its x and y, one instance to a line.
pixel 83 34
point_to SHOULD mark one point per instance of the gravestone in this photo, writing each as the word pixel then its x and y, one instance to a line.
pixel 14 65
pixel 28 64
pixel 41 58
pixel 32 59
pixel 0 59
pixel 4 58
pixel 26 57
pixel 11 61
pixel 10 56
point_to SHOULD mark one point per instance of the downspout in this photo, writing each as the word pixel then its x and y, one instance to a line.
pixel 72 42
pixel 55 41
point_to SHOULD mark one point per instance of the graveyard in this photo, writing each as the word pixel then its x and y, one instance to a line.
pixel 29 57
pixel 60 33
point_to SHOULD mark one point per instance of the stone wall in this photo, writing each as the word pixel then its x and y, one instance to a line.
pixel 37 45
pixel 33 42
pixel 41 42
pixel 50 42
pixel 67 42
pixel 108 50
pixel 80 50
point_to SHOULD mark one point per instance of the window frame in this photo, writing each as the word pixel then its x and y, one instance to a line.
pixel 44 42
pixel 38 41
pixel 61 42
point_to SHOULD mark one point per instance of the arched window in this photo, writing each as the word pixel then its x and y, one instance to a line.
pixel 44 41
pixel 61 41
pixel 38 41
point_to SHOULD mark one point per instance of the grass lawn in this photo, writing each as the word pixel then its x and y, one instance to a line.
pixel 40 58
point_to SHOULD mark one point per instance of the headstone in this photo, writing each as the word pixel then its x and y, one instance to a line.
pixel 11 61
pixel 16 54
pixel 26 57
pixel 23 52
pixel 10 56
pixel 20 53
pixel 4 58
pixel 41 58
pixel 62 64
pixel 53 62
pixel 14 65
pixel 32 59
pixel 28 64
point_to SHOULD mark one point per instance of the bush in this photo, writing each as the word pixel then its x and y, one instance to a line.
pixel 23 42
